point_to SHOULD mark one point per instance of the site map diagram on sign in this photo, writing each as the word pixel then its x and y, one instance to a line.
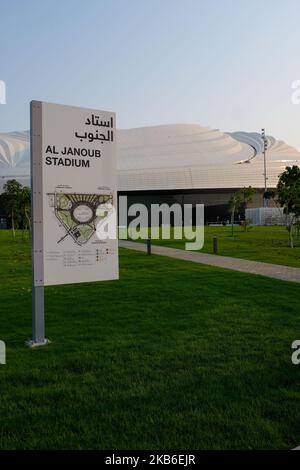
pixel 79 213
pixel 74 181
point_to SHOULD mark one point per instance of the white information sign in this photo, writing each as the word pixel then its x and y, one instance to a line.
pixel 74 189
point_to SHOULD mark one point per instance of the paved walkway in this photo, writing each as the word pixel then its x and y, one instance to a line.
pixel 285 273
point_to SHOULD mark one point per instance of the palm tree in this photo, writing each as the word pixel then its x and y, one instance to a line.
pixel 234 205
pixel 247 195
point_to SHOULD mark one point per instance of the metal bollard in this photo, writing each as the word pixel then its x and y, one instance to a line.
pixel 148 246
pixel 215 245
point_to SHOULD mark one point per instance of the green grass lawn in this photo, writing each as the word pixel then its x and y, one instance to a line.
pixel 174 355
pixel 268 244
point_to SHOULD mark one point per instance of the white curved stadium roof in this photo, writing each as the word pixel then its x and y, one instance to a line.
pixel 175 156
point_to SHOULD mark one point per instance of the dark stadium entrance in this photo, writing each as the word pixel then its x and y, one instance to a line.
pixel 215 201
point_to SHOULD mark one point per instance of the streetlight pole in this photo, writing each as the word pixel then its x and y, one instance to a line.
pixel 265 142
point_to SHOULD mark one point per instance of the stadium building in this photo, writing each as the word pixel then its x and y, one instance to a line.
pixel 185 163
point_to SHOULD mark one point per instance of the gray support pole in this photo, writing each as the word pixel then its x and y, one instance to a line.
pixel 38 316
pixel 265 142
pixel 265 175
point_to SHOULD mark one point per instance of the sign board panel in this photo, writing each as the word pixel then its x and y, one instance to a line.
pixel 74 188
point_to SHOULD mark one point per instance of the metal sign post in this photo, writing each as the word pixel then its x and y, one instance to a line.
pixel 38 317
pixel 38 314
pixel 74 189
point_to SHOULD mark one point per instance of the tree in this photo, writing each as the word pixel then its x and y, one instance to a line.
pixel 240 200
pixel 247 195
pixel 288 196
pixel 234 205
pixel 25 204
pixel 12 194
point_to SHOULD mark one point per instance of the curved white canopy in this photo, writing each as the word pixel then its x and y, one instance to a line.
pixel 175 156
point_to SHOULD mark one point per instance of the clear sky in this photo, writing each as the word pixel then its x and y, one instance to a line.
pixel 227 64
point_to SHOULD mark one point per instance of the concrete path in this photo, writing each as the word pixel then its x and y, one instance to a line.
pixel 285 273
